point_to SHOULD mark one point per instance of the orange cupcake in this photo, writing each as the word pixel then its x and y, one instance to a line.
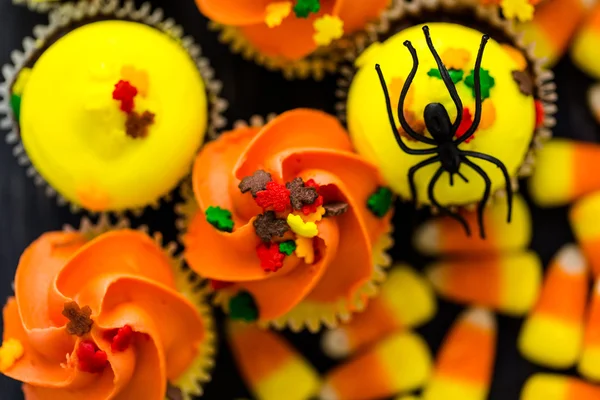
pixel 291 225
pixel 300 37
pixel 104 318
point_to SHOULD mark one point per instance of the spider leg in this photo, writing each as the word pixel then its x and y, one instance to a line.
pixel 451 179
pixel 486 193
pixel 397 135
pixel 442 208
pixel 411 175
pixel 464 178
pixel 446 79
pixel 478 101
pixel 499 164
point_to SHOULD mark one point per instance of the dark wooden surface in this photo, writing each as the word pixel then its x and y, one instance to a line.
pixel 25 212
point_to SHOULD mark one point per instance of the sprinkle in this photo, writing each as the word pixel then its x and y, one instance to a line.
pixel 305 249
pixel 243 307
pixel 119 339
pixel 220 218
pixel 275 196
pixel 10 352
pixel 137 125
pixel 456 59
pixel 173 392
pixel 519 9
pixel 288 247
pixel 327 29
pixel 524 81
pixel 91 358
pixel 335 209
pixel 380 202
pixel 218 285
pixel 138 78
pixel 276 12
pixel 125 92
pixel 516 55
pixel 255 183
pixel 301 228
pixel 267 226
pixel 300 194
pixel 15 105
pixel 316 216
pixel 22 78
pixel 488 115
pixel 540 114
pixel 303 8
pixel 271 259
pixel 314 207
pixel 465 124
pixel 455 75
pixel 487 82
pixel 80 321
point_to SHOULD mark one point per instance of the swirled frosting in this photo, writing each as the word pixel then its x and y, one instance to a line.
pixel 236 173
pixel 293 36
pixel 99 319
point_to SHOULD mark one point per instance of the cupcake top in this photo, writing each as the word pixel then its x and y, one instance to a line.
pixel 508 118
pixel 98 319
pixel 111 114
pixel 288 216
pixel 293 29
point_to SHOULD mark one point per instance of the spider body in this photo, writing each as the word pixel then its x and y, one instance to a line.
pixel 445 150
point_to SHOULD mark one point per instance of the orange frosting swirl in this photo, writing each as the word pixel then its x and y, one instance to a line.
pixel 127 280
pixel 302 143
pixel 293 38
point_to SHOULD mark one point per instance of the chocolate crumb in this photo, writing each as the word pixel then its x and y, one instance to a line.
pixel 335 209
pixel 137 125
pixel 255 183
pixel 525 82
pixel 301 195
pixel 80 322
pixel 268 226
pixel 173 392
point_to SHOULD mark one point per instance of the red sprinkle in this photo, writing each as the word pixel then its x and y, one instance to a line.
pixel 312 183
pixel 312 208
pixel 276 196
pixel 465 124
pixel 540 114
pixel 119 339
pixel 91 359
pixel 217 285
pixel 271 259
pixel 125 92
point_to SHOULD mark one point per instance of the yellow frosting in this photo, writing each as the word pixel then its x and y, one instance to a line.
pixel 74 132
pixel 507 123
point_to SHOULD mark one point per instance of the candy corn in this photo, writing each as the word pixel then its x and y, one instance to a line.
pixel 589 363
pixel 552 334
pixel 594 101
pixel 406 300
pixel 271 368
pixel 464 366
pixel 551 38
pixel 506 283
pixel 557 387
pixel 399 364
pixel 585 51
pixel 443 235
pixel 565 171
pixel 585 222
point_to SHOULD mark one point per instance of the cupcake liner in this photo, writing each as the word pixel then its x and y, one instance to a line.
pixel 188 284
pixel 39 6
pixel 491 17
pixel 78 14
pixel 306 315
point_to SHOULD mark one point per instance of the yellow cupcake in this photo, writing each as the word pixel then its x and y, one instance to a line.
pixel 111 114
pixel 508 117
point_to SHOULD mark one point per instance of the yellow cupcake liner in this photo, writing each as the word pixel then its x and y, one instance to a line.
pixel 306 315
pixel 76 14
pixel 188 284
pixel 489 15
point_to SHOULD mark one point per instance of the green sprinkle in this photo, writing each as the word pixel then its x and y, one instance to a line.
pixel 487 82
pixel 15 104
pixel 220 218
pixel 455 74
pixel 288 247
pixel 380 202
pixel 243 307
pixel 303 8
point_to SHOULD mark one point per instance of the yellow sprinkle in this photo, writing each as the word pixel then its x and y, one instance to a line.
pixel 314 217
pixel 276 12
pixel 301 228
pixel 456 58
pixel 517 9
pixel 305 249
pixel 327 29
pixel 21 81
pixel 10 352
pixel 138 78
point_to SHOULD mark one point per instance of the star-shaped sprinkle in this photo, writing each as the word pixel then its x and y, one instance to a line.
pixel 517 9
pixel 125 92
pixel 268 226
pixel 380 202
pixel 80 321
pixel 301 228
pixel 255 183
pixel 219 218
pixel 137 125
pixel 327 29
pixel 300 194
pixel 456 59
pixel 304 8
pixel 305 249
pixel 91 359
pixel 271 258
pixel 455 75
pixel 276 12
pixel 243 307
pixel 525 82
pixel 487 82
pixel 465 123
pixel 275 196
pixel 288 247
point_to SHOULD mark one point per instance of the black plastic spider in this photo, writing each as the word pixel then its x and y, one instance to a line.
pixel 442 132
